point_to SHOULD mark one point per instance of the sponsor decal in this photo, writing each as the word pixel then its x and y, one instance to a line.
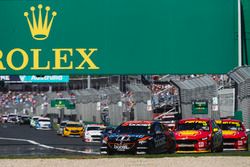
pixel 40 29
pixel 123 138
pixel 197 122
pixel 138 125
pixel 121 147
pixel 35 59
pixel 231 123
pixel 228 132
pixel 62 37
pixel 189 132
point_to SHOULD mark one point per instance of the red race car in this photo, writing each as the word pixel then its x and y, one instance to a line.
pixel 234 134
pixel 198 135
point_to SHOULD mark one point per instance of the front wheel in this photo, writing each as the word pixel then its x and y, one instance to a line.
pixel 110 152
pixel 172 148
pixel 212 148
pixel 220 149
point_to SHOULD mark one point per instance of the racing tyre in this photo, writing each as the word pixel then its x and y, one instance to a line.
pixel 172 149
pixel 220 149
pixel 212 148
pixel 110 152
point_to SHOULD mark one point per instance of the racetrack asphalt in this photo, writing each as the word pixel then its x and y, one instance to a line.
pixel 23 140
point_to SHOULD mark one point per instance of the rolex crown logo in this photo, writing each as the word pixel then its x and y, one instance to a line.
pixel 40 28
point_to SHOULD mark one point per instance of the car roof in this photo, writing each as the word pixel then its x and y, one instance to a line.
pixel 24 115
pixel 44 118
pixel 36 116
pixel 12 114
pixel 95 125
pixel 64 122
pixel 72 122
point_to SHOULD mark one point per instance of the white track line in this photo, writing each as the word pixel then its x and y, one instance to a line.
pixel 49 147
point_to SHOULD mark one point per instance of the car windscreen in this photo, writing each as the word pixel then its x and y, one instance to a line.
pixel 63 124
pixel 93 128
pixel 43 120
pixel 231 126
pixel 73 125
pixel 193 126
pixel 169 119
pixel 133 130
pixel 12 115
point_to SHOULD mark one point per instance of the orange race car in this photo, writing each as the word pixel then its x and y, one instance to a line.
pixel 234 134
pixel 198 135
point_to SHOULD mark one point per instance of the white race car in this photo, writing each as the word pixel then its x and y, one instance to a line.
pixel 43 123
pixel 13 118
pixel 4 118
pixel 93 133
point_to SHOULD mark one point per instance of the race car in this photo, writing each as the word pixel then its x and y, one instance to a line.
pixel 33 121
pixel 13 118
pixel 196 135
pixel 93 133
pixel 61 127
pixel 234 134
pixel 138 137
pixel 73 129
pixel 24 119
pixel 4 118
pixel 43 123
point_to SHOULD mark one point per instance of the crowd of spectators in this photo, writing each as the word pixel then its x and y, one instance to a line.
pixel 20 100
pixel 163 94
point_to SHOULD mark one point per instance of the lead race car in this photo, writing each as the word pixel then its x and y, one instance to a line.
pixel 138 137
pixel 196 135
pixel 234 134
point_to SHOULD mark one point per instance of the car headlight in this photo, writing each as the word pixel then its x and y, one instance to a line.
pixel 105 140
pixel 87 134
pixel 205 138
pixel 242 138
pixel 66 129
pixel 142 141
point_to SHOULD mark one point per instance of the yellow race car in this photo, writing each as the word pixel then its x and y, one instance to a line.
pixel 73 129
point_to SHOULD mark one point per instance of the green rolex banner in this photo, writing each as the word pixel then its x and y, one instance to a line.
pixel 117 36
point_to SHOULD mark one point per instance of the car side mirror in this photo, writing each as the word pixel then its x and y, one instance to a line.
pixel 215 130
